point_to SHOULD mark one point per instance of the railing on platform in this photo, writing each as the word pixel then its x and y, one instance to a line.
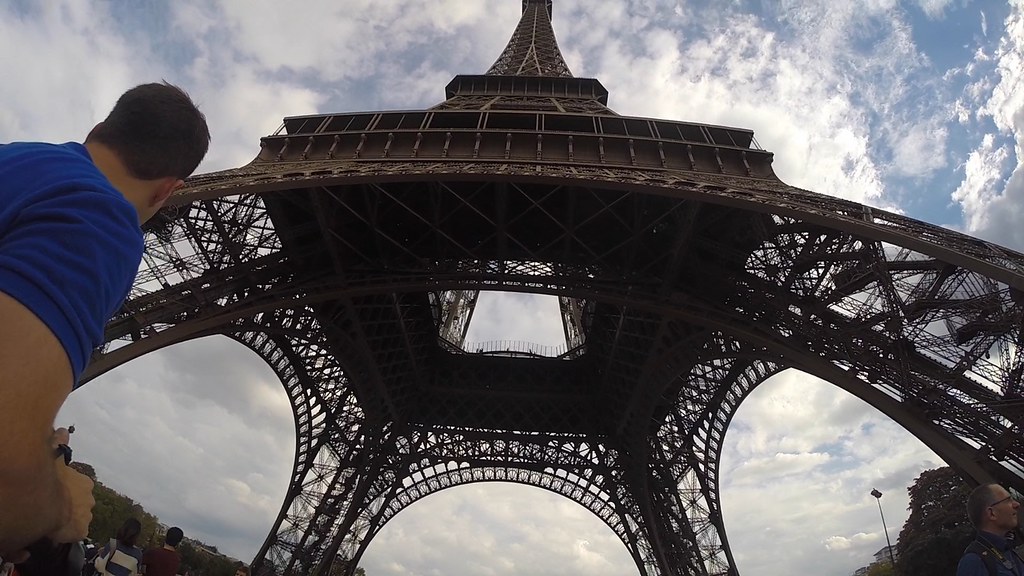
pixel 519 348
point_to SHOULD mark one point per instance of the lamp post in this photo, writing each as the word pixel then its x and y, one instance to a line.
pixel 878 497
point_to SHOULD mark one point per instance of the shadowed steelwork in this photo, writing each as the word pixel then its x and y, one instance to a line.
pixel 350 252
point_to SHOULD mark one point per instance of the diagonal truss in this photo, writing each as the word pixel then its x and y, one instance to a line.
pixel 350 252
pixel 532 50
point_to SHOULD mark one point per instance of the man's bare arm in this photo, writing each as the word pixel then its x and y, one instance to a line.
pixel 37 498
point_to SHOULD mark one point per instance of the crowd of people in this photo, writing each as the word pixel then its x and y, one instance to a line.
pixel 120 556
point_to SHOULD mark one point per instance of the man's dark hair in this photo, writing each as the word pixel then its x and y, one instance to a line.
pixel 156 130
pixel 242 568
pixel 129 532
pixel 173 536
pixel 979 500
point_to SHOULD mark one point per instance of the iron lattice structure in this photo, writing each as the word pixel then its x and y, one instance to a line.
pixel 350 252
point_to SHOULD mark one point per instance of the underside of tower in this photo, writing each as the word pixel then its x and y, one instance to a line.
pixel 350 253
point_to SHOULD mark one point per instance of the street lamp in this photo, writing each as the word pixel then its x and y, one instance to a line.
pixel 878 497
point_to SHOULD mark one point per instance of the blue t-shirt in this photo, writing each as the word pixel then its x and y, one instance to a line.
pixel 70 243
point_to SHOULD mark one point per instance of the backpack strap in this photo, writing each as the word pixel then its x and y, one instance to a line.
pixel 990 560
pixel 101 560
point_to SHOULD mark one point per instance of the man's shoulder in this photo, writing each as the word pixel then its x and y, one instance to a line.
pixel 14 154
pixel 160 554
pixel 975 560
pixel 61 177
pixel 28 145
pixel 41 166
pixel 159 561
pixel 971 564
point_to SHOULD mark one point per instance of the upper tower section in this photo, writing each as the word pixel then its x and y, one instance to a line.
pixel 528 108
pixel 530 75
pixel 532 50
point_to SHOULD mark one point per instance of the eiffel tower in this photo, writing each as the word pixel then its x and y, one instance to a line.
pixel 350 252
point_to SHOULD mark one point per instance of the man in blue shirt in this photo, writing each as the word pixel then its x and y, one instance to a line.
pixel 70 246
pixel 993 511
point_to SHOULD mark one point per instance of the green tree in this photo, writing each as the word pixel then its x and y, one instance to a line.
pixel 110 512
pixel 203 560
pixel 937 530
pixel 881 569
pixel 84 469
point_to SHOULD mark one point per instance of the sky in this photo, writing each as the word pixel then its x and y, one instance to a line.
pixel 916 107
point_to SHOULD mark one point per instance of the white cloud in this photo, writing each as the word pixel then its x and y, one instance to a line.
pixel 496 528
pixel 921 150
pixel 845 543
pixel 934 9
pixel 982 182
pixel 61 53
pixel 349 41
pixel 501 316
pixel 781 464
pixel 799 462
pixel 831 112
pixel 992 191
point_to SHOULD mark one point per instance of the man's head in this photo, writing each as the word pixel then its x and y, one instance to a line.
pixel 158 136
pixel 173 537
pixel 242 570
pixel 992 509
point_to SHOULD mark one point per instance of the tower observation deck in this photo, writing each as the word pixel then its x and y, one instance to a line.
pixel 350 252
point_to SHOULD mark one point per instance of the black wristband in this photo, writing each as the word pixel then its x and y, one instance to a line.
pixel 65 451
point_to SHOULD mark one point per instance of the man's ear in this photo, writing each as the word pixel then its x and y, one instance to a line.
pixel 990 513
pixel 164 189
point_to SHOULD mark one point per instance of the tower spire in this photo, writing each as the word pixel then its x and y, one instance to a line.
pixel 532 50
pixel 530 75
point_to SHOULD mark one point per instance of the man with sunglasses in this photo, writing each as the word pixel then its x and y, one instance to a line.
pixel 993 511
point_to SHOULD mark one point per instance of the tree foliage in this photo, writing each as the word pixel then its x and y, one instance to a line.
pixel 200 559
pixel 881 569
pixel 937 530
pixel 110 512
pixel 84 468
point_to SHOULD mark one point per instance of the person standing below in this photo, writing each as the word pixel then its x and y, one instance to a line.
pixel 993 511
pixel 164 561
pixel 121 557
pixel 70 246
